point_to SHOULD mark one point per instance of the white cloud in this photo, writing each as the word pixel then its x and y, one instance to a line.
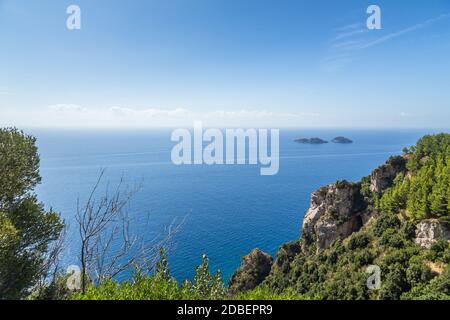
pixel 404 31
pixel 407 115
pixel 67 108
pixel 6 93
pixel 76 116
pixel 125 112
pixel 351 39
pixel 349 34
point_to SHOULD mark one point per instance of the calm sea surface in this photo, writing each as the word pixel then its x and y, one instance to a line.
pixel 228 209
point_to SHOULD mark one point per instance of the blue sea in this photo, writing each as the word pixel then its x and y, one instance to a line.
pixel 227 209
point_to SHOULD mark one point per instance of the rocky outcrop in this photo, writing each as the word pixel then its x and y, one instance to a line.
pixel 311 141
pixel 339 209
pixel 429 231
pixel 255 267
pixel 383 177
pixel 343 140
pixel 336 211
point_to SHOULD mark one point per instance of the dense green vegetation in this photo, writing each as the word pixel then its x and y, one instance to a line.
pixel 424 191
pixel 161 286
pixel 339 272
pixel 26 229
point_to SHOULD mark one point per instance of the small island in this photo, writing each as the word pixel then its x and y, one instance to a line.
pixel 341 140
pixel 311 141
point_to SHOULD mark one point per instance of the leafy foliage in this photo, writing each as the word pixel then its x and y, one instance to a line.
pixel 265 293
pixel 19 166
pixel 425 191
pixel 26 229
pixel 160 286
pixel 339 272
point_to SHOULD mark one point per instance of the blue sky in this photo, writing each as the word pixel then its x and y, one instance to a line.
pixel 226 62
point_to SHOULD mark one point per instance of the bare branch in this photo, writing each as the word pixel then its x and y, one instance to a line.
pixel 103 223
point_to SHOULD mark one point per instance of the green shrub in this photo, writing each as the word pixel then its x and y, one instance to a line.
pixel 265 293
pixel 159 286
pixel 384 222
pixel 358 240
pixel 440 251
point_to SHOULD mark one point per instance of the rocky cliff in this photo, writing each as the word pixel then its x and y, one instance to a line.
pixel 340 209
pixel 255 267
pixel 383 177
pixel 335 212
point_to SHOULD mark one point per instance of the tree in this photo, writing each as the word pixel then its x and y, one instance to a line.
pixel 205 285
pixel 439 195
pixel 27 230
pixel 424 192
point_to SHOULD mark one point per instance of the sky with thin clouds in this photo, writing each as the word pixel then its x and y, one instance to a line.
pixel 274 63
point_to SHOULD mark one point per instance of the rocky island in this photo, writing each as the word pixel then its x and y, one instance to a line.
pixel 310 141
pixel 342 140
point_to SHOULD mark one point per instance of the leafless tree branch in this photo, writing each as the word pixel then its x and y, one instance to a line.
pixel 105 222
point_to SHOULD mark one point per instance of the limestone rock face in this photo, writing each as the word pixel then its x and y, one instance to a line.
pixel 429 231
pixel 330 229
pixel 383 177
pixel 339 209
pixel 255 267
pixel 335 212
